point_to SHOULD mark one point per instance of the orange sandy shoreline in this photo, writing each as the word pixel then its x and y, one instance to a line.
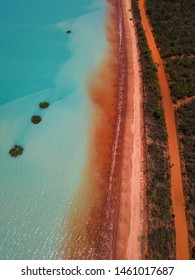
pixel 108 222
pixel 91 220
pixel 131 221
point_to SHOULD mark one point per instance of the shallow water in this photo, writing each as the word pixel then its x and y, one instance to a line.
pixel 40 62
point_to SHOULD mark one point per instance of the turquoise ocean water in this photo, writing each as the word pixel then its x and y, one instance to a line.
pixel 39 61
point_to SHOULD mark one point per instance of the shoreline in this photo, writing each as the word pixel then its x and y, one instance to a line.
pixel 108 222
pixel 91 221
pixel 130 241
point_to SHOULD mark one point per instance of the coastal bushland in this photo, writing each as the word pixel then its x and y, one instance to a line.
pixel 185 117
pixel 173 27
pixel 181 77
pixel 161 233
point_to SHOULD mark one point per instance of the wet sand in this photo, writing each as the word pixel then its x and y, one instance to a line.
pixel 176 178
pixel 131 219
pixel 106 221
pixel 90 228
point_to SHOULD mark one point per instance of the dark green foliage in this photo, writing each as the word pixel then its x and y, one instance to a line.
pixel 159 240
pixel 193 253
pixel 173 26
pixel 186 127
pixel 185 123
pixel 44 105
pixel 16 151
pixel 36 119
pixel 158 113
pixel 161 225
pixel 181 77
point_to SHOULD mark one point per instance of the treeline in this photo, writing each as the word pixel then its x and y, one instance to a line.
pixel 185 123
pixel 173 26
pixel 161 234
pixel 181 77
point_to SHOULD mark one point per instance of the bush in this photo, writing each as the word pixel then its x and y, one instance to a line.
pixel 16 151
pixel 44 105
pixel 36 119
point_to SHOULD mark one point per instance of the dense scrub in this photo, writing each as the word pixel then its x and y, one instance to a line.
pixel 185 122
pixel 181 77
pixel 173 26
pixel 161 235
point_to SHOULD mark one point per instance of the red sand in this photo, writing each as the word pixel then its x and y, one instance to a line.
pixel 176 178
pixel 131 219
pixel 91 222
pixel 106 221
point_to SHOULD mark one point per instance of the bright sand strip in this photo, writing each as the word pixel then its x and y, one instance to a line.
pixel 131 220
pixel 176 178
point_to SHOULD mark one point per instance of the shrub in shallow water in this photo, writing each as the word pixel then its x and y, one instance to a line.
pixel 36 119
pixel 44 105
pixel 16 151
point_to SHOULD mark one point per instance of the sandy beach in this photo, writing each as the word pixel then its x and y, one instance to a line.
pixel 108 223
pixel 131 220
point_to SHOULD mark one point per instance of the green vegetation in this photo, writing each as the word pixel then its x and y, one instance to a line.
pixel 193 253
pixel 161 239
pixel 36 119
pixel 43 105
pixel 16 151
pixel 173 26
pixel 185 123
pixel 181 77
